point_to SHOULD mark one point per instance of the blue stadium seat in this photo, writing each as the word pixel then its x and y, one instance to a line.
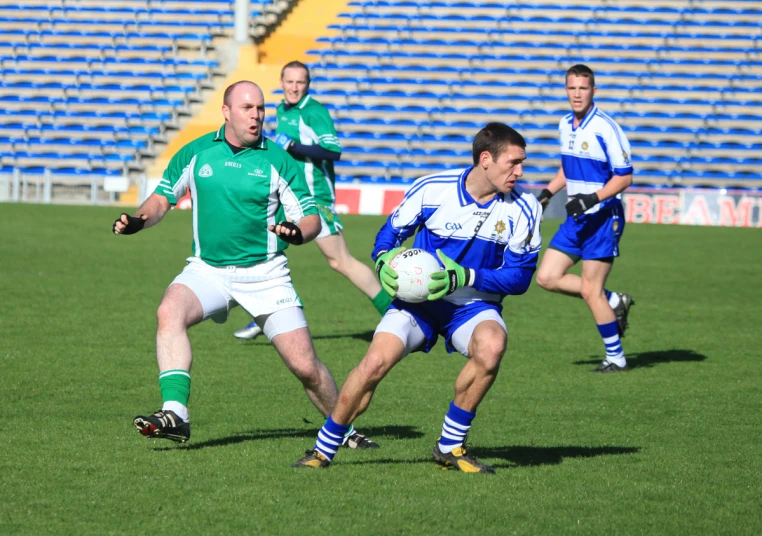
pixel 685 82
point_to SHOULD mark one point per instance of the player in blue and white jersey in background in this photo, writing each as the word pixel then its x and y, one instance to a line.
pixel 486 232
pixel 596 168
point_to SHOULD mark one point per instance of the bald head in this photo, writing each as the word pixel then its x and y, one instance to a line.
pixel 243 106
pixel 235 90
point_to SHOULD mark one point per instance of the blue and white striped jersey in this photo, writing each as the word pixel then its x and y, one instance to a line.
pixel 499 240
pixel 592 153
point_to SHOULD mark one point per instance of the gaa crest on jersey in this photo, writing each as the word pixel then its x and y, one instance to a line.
pixel 584 146
pixel 205 171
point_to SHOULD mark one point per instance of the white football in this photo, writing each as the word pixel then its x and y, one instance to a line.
pixel 414 268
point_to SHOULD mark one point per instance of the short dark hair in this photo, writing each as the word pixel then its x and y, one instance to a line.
pixel 494 138
pixel 581 70
pixel 298 64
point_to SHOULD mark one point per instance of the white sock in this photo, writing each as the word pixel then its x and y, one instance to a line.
pixel 619 361
pixel 179 410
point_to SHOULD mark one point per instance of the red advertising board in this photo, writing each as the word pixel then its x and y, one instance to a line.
pixel 668 206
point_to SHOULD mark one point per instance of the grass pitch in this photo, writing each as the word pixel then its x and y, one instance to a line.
pixel 671 447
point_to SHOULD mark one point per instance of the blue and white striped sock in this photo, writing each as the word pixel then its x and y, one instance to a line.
pixel 610 336
pixel 330 438
pixel 612 297
pixel 456 425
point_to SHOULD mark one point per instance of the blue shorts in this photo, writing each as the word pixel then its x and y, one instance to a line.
pixel 591 237
pixel 443 318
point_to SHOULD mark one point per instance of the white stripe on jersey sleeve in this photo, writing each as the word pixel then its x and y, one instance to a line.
pixel 617 144
pixel 194 202
pixel 183 182
pixel 272 208
pixel 291 202
pixel 414 200
pixel 164 183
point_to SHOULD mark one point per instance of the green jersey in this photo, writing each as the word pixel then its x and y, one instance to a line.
pixel 182 158
pixel 236 197
pixel 309 123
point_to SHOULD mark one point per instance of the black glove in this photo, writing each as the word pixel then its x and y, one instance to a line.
pixel 295 239
pixel 133 224
pixel 579 204
pixel 544 198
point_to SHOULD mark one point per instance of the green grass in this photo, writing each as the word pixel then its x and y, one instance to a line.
pixel 672 447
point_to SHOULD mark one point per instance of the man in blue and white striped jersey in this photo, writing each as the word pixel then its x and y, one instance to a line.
pixel 596 168
pixel 485 230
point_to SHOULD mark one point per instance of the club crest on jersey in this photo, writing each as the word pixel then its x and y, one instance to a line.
pixel 584 146
pixel 205 171
pixel 500 227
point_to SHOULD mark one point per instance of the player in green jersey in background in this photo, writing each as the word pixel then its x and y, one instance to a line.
pixel 305 129
pixel 250 200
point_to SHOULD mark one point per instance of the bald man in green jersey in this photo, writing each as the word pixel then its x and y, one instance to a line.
pixel 250 200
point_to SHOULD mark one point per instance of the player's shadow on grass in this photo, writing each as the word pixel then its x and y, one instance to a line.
pixel 377 433
pixel 650 359
pixel 534 456
pixel 366 336
pixel 518 456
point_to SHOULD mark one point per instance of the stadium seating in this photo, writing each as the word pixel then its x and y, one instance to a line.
pixel 91 87
pixel 410 83
pixel 94 87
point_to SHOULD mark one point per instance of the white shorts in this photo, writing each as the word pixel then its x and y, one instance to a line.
pixel 406 328
pixel 261 290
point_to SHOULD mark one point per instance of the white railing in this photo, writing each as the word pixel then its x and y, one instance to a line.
pixel 49 188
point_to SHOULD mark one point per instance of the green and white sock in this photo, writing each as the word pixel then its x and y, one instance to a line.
pixel 175 391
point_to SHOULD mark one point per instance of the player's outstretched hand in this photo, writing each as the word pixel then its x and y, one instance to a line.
pixel 126 224
pixel 579 204
pixel 451 279
pixel 387 275
pixel 287 231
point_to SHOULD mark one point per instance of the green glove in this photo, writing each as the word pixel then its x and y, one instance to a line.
pixel 385 273
pixel 451 279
